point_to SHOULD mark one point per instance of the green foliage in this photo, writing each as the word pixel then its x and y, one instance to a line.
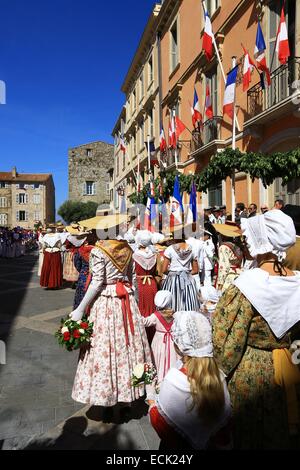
pixel 74 211
pixel 266 167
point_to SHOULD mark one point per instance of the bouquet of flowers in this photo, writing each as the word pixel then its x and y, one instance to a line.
pixel 72 334
pixel 143 374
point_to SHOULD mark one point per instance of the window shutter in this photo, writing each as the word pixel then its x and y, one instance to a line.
pixel 17 198
pixel 94 189
pixel 26 216
pixel 84 189
pixel 26 198
pixel 18 216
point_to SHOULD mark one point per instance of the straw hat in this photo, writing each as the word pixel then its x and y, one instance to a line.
pixel 228 230
pixel 105 222
pixel 77 230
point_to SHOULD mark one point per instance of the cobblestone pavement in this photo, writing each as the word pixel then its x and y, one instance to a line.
pixel 36 408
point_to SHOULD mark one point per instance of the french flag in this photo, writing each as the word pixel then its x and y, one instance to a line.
pixel 208 104
pixel 196 112
pixel 192 211
pixel 207 44
pixel 229 96
pixel 259 53
pixel 162 141
pixel 122 144
pixel 247 70
pixel 150 214
pixel 176 204
pixel 282 42
pixel 172 133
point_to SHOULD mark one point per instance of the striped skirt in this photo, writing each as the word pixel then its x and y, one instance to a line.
pixel 184 291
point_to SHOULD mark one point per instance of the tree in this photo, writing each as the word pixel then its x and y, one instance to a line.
pixel 74 211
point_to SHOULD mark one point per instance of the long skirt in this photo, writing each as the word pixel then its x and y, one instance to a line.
pixel 70 273
pixel 51 275
pixel 184 291
pixel 104 370
pixel 41 260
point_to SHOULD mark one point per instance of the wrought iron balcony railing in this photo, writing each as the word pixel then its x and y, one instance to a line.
pixel 209 133
pixel 283 84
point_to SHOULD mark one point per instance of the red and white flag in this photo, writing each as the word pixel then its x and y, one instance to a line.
pixel 208 104
pixel 247 70
pixel 162 141
pixel 282 41
pixel 179 127
pixel 122 144
pixel 207 44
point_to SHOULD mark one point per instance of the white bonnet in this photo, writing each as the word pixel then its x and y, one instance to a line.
pixel 163 299
pixel 192 334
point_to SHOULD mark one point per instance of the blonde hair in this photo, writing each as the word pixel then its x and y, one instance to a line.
pixel 206 387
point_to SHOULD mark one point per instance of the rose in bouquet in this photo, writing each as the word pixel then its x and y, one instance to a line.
pixel 143 374
pixel 72 334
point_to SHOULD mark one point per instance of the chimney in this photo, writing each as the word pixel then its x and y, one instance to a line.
pixel 14 172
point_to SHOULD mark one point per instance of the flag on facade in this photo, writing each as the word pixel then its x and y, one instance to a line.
pixel 259 53
pixel 150 214
pixel 247 69
pixel 172 133
pixel 196 111
pixel 122 144
pixel 282 41
pixel 176 204
pixel 207 44
pixel 192 210
pixel 153 153
pixel 208 104
pixel 229 96
pixel 179 127
pixel 162 141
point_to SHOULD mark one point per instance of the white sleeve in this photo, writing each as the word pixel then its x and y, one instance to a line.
pixel 98 268
pixel 168 252
pixel 149 321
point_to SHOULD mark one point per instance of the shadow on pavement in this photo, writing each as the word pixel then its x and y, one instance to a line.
pixel 119 414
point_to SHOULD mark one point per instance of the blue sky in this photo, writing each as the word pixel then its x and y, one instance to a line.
pixel 63 62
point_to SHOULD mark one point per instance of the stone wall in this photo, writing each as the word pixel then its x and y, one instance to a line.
pixel 90 162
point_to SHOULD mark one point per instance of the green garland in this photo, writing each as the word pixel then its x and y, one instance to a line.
pixel 266 167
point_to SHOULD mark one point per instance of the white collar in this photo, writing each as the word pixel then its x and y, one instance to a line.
pixel 277 299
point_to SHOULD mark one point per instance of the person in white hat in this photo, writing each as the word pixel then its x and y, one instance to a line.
pixel 253 326
pixel 162 344
pixel 192 410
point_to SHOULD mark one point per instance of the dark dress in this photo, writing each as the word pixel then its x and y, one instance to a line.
pixel 81 262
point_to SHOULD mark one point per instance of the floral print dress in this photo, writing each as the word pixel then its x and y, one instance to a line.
pixel 243 346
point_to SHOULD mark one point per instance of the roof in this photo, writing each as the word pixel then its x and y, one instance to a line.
pixel 91 143
pixel 22 177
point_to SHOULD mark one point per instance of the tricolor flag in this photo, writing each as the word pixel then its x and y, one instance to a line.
pixel 150 214
pixel 172 134
pixel 176 205
pixel 282 41
pixel 196 111
pixel 162 141
pixel 208 104
pixel 207 44
pixel 229 96
pixel 192 211
pixel 259 53
pixel 247 69
pixel 152 152
pixel 122 144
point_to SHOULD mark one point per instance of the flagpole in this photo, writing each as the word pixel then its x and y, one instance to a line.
pixel 176 156
pixel 149 158
pixel 219 60
pixel 233 148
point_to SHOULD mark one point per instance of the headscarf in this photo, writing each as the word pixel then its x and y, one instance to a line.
pixel 272 232
pixel 144 238
pixel 192 333
pixel 163 299
pixel 210 294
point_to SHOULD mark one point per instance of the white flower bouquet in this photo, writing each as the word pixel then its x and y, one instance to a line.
pixel 143 374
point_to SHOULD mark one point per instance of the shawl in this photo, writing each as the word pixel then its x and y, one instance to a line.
pixel 118 251
pixel 146 259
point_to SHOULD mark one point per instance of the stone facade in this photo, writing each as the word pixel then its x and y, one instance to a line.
pixel 26 199
pixel 89 179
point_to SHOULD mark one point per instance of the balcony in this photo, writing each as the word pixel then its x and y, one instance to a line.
pixel 209 136
pixel 281 97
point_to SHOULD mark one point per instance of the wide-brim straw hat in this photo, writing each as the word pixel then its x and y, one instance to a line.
pixel 105 222
pixel 231 231
pixel 77 230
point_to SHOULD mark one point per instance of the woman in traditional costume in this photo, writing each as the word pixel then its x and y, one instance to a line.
pixel 253 326
pixel 192 410
pixel 119 341
pixel 51 275
pixel 82 264
pixel 230 256
pixel 180 264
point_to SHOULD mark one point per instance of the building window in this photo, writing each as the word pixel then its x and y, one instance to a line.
pixel 215 196
pixel 107 189
pixel 151 123
pixel 212 82
pixel 3 201
pixel 37 186
pixel 37 216
pixel 3 219
pixel 174 48
pixel 2 184
pixel 22 198
pixel 90 188
pixel 150 70
pixel 133 101
pixel 212 6
pixel 142 142
pixel 36 199
pixel 22 216
pixel 89 152
pixel 141 86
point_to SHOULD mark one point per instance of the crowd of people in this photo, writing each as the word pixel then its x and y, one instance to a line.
pixel 217 311
pixel 16 242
